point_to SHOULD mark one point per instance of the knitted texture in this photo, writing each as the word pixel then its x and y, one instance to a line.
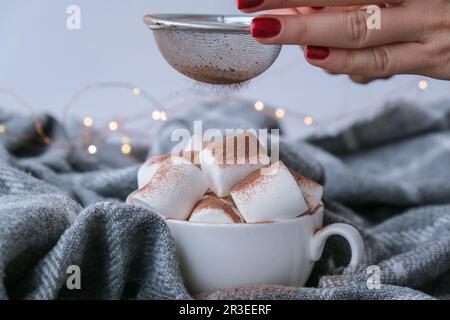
pixel 388 176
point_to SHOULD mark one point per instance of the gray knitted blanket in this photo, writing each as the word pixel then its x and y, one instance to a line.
pixel 389 177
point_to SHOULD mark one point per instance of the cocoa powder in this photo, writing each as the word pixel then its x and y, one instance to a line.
pixel 212 202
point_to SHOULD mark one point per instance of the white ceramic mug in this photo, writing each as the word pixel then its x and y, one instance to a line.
pixel 236 255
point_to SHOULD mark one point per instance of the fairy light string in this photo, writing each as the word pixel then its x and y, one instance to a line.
pixel 118 125
pixel 24 104
pixel 93 135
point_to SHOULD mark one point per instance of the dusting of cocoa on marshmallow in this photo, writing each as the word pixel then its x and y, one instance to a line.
pixel 209 193
pixel 211 202
pixel 298 177
pixel 303 181
pixel 260 179
pixel 157 159
pixel 168 170
pixel 246 186
pixel 191 156
pixel 249 182
pixel 315 211
pixel 257 178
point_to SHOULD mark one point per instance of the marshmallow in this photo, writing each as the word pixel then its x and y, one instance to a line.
pixel 196 143
pixel 194 147
pixel 174 189
pixel 191 156
pixel 148 169
pixel 216 210
pixel 312 191
pixel 270 194
pixel 228 161
pixel 209 193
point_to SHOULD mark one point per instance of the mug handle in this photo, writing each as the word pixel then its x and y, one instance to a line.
pixel 340 229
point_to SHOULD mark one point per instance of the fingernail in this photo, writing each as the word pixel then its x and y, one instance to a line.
pixel 317 8
pixel 317 53
pixel 265 27
pixel 248 4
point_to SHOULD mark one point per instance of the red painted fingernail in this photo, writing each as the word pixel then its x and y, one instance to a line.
pixel 317 53
pixel 265 27
pixel 248 4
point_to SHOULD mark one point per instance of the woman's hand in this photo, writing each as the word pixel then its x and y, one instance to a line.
pixel 414 37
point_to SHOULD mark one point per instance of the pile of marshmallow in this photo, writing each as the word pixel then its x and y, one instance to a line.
pixel 224 182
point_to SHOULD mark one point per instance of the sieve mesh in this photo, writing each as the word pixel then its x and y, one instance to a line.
pixel 215 56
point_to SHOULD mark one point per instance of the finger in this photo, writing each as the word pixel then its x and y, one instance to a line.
pixel 258 5
pixel 343 29
pixel 294 11
pixel 376 62
pixel 360 79
pixel 365 80
pixel 309 10
pixel 284 12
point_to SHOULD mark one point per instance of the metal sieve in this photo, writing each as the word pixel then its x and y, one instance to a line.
pixel 213 49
